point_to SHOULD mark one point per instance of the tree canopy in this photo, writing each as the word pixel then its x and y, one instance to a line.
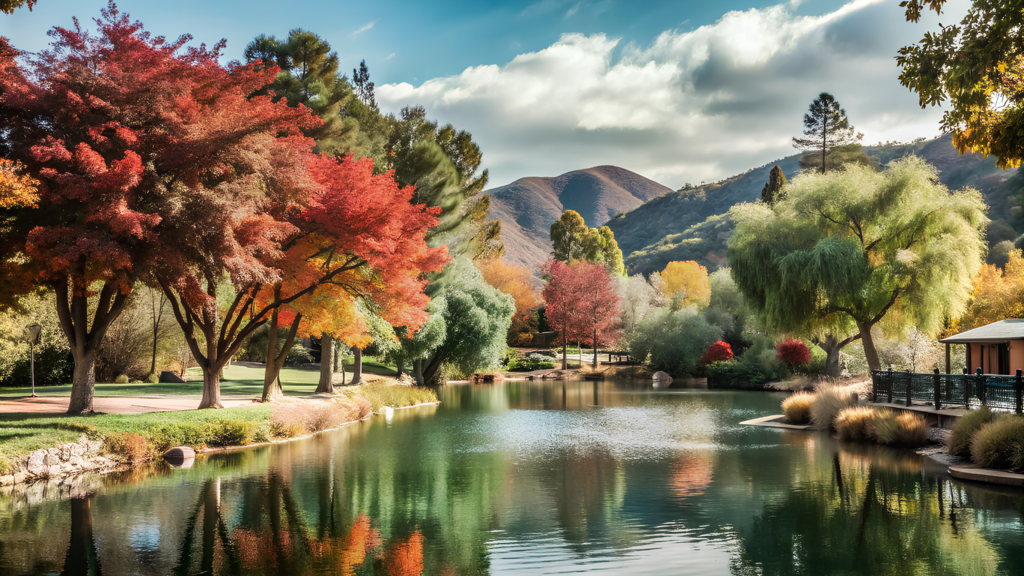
pixel 572 240
pixel 845 251
pixel 687 281
pixel 978 65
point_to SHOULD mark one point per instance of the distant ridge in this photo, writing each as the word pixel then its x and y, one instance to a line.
pixel 528 206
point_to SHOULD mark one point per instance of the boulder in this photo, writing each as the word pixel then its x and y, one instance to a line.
pixel 170 377
pixel 20 477
pixel 662 380
pixel 50 460
pixel 36 466
pixel 178 455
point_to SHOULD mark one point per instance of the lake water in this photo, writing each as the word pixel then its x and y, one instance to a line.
pixel 531 478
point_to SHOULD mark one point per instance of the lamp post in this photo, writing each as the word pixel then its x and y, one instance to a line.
pixel 32 332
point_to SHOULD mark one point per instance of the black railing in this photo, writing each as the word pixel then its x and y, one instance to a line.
pixel 998 392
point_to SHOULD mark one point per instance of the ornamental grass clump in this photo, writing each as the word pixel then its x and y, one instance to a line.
pixel 903 429
pixel 797 408
pixel 298 418
pixel 855 423
pixel 997 444
pixel 965 428
pixel 129 446
pixel 829 401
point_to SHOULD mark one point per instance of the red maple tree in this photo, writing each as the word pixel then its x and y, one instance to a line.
pixel 793 352
pixel 581 303
pixel 717 352
pixel 130 136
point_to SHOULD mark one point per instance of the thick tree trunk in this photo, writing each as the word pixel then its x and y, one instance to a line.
pixel 84 383
pixel 399 367
pixel 357 365
pixel 211 389
pixel 275 361
pixel 326 384
pixel 417 371
pixel 430 371
pixel 870 354
pixel 832 347
pixel 595 349
pixel 565 361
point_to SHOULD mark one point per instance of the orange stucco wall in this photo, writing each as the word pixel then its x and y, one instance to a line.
pixel 991 361
pixel 1016 356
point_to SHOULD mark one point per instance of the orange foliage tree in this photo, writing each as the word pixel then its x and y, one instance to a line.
pixel 687 281
pixel 998 295
pixel 17 190
pixel 405 558
pixel 519 283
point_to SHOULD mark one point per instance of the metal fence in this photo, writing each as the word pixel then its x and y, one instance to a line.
pixel 949 390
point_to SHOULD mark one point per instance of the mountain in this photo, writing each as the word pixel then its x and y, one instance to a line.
pixel 693 224
pixel 528 206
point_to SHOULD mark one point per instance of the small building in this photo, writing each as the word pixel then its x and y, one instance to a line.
pixel 996 348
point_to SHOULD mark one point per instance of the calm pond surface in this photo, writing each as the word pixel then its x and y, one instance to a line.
pixel 531 478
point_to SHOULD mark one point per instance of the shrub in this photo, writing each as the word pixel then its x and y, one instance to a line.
pixel 793 352
pixel 122 379
pixel 230 433
pixel 829 401
pixel 717 352
pixel 195 435
pixel 129 446
pixel 288 420
pixel 855 423
pixel 153 378
pixel 903 429
pixel 306 417
pixel 965 428
pixel 797 408
pixel 997 443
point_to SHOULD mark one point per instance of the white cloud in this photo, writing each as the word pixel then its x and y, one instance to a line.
pixel 573 10
pixel 366 27
pixel 390 56
pixel 692 105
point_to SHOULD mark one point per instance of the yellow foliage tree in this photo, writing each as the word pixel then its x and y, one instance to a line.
pixel 517 282
pixel 16 189
pixel 998 295
pixel 687 280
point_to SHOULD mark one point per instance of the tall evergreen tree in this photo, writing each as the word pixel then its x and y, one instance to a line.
pixel 826 127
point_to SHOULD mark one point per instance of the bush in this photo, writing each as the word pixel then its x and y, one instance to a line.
pixel 829 401
pixel 122 379
pixel 855 423
pixel 129 446
pixel 903 429
pixel 673 341
pixel 55 366
pixel 196 435
pixel 298 355
pixel 230 433
pixel 965 428
pixel 717 352
pixel 997 443
pixel 153 378
pixel 302 417
pixel 793 352
pixel 797 408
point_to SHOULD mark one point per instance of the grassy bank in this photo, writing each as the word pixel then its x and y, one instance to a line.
pixel 136 437
pixel 239 380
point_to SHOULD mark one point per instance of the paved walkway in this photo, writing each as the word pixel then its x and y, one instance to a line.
pixel 114 404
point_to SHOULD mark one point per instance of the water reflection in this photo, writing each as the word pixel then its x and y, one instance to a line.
pixel 531 478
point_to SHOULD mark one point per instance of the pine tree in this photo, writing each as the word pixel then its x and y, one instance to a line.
pixel 826 127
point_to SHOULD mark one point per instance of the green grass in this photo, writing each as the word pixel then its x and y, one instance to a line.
pixel 380 395
pixel 238 381
pixel 22 434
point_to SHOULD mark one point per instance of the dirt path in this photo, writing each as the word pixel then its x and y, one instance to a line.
pixel 113 404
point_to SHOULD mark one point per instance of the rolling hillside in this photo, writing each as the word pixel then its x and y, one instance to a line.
pixel 692 224
pixel 528 206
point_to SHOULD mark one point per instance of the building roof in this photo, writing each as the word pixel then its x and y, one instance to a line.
pixel 995 332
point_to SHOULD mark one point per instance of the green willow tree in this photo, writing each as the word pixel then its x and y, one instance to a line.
pixel 842 252
pixel 827 131
pixel 572 240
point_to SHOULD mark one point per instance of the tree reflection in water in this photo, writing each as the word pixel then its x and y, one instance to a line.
pixel 81 559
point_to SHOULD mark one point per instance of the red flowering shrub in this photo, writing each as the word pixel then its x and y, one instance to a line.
pixel 793 352
pixel 717 352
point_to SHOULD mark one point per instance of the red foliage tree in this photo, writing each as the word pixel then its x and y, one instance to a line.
pixel 793 352
pixel 131 136
pixel 581 303
pixel 717 352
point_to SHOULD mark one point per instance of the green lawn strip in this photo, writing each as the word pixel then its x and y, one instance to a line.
pixel 22 434
pixel 238 381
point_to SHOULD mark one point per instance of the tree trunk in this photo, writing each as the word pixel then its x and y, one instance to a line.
pixel 870 354
pixel 417 371
pixel 211 389
pixel 152 365
pixel 832 347
pixel 275 360
pixel 565 362
pixel 357 365
pixel 83 386
pixel 430 371
pixel 326 384
pixel 399 367
pixel 595 348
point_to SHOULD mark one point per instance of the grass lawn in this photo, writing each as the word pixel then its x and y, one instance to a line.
pixel 22 434
pixel 238 381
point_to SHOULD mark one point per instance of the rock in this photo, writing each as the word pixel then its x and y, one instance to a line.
pixel 50 460
pixel 6 480
pixel 662 380
pixel 20 477
pixel 36 466
pixel 179 455
pixel 95 446
pixel 54 471
pixel 76 461
pixel 170 377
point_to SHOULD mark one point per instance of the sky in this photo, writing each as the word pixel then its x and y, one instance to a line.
pixel 678 91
